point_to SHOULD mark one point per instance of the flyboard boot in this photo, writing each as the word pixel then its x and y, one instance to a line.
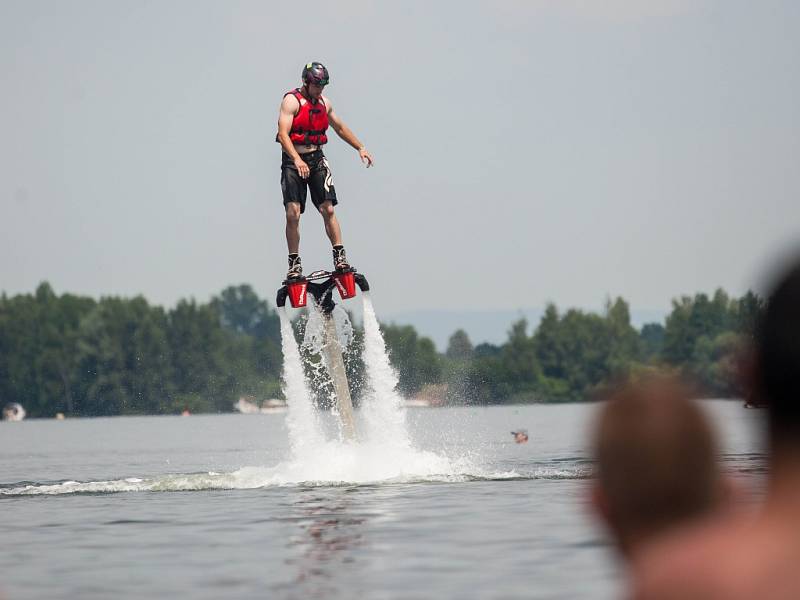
pixel 340 263
pixel 295 268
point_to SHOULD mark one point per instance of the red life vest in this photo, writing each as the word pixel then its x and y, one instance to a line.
pixel 310 123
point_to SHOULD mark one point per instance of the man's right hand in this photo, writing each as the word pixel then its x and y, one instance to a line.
pixel 302 167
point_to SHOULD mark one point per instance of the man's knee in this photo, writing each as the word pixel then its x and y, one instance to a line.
pixel 326 210
pixel 293 213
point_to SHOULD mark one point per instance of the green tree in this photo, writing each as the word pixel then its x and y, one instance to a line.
pixel 587 349
pixel 59 321
pixel 459 346
pixel 748 311
pixel 242 311
pixel 197 344
pixel 691 319
pixel 548 344
pixel 253 348
pixel 19 353
pixel 624 343
pixel 485 349
pixel 456 368
pixel 415 358
pixel 521 370
pixel 652 341
pixel 125 357
pixel 579 352
pixel 37 350
pixel 716 363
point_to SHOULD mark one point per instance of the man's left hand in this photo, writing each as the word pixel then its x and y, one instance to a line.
pixel 366 157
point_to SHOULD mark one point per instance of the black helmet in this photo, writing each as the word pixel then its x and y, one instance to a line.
pixel 315 72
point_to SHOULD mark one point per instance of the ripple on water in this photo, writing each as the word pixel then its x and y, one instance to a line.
pixel 265 477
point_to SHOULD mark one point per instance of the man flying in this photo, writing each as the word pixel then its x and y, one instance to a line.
pixel 303 120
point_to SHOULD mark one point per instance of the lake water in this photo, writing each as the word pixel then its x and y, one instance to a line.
pixel 220 506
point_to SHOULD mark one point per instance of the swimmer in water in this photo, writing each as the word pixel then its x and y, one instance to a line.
pixel 520 436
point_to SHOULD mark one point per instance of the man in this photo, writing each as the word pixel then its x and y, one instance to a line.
pixel 739 556
pixel 656 466
pixel 305 115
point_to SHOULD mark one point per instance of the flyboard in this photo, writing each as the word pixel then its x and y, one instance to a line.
pixel 320 284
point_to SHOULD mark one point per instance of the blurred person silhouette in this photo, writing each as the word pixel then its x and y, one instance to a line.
pixel 656 467
pixel 749 556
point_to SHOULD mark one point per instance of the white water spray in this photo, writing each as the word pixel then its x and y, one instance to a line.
pixel 302 419
pixel 382 406
pixel 383 450
pixel 314 335
pixel 327 336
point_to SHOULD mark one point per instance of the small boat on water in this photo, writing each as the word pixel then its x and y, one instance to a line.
pixel 249 407
pixel 416 403
pixel 13 411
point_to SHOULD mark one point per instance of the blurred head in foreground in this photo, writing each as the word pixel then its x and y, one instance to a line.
pixel 777 373
pixel 747 555
pixel 655 461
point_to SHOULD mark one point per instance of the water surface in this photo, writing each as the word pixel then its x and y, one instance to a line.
pixel 211 506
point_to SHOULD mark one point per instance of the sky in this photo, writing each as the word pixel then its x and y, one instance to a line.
pixel 525 151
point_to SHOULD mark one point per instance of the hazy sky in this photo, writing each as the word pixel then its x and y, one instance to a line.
pixel 558 150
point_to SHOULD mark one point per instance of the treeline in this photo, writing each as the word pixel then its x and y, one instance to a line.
pixel 572 356
pixel 116 356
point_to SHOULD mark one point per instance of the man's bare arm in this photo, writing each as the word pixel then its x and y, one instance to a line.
pixel 344 132
pixel 289 108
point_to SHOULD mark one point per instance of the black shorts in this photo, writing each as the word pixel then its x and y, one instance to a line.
pixel 320 180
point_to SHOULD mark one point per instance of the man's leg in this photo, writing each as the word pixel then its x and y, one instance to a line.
pixel 293 239
pixel 331 223
pixel 334 235
pixel 293 227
